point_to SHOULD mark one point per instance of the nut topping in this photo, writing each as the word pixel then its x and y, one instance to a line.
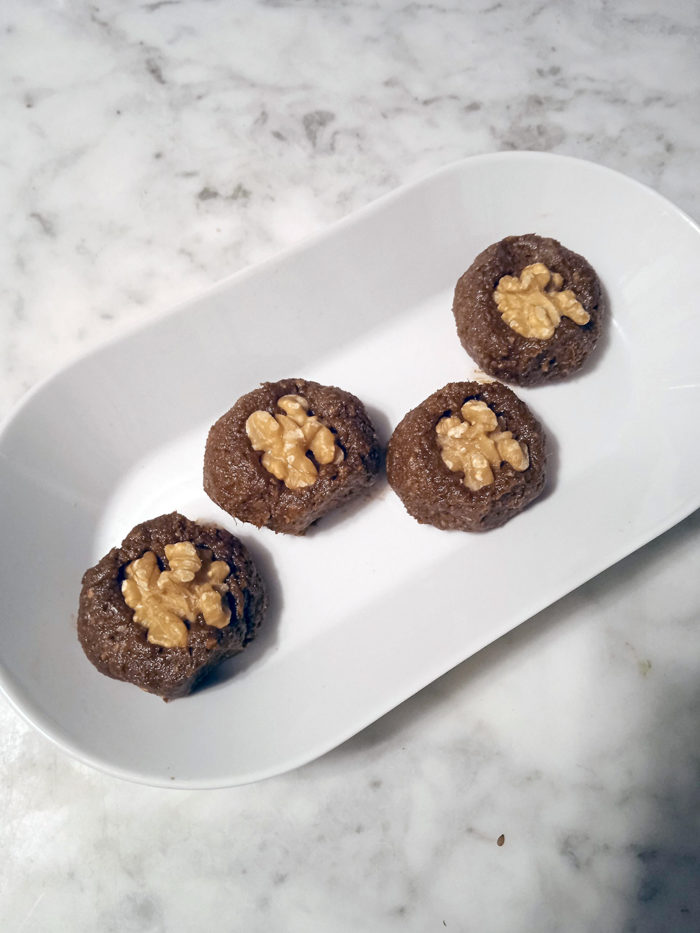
pixel 163 600
pixel 473 444
pixel 533 303
pixel 286 439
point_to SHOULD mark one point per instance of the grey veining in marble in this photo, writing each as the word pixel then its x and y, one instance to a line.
pixel 146 151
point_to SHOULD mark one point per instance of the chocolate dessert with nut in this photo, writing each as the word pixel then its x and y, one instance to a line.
pixel 288 453
pixel 468 458
pixel 528 310
pixel 171 603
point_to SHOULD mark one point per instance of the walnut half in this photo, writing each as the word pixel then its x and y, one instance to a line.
pixel 533 304
pixel 471 443
pixel 163 600
pixel 286 439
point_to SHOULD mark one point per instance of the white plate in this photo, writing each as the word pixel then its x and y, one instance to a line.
pixel 370 606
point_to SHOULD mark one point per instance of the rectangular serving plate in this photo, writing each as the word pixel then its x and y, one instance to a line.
pixel 369 606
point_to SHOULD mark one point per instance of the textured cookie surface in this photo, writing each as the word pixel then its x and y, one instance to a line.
pixel 437 495
pixel 499 349
pixel 236 479
pixel 118 646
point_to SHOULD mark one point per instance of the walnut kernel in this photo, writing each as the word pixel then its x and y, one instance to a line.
pixel 285 440
pixel 163 600
pixel 533 303
pixel 473 444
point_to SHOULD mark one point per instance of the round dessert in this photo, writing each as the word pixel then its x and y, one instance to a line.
pixel 169 605
pixel 468 458
pixel 528 310
pixel 289 452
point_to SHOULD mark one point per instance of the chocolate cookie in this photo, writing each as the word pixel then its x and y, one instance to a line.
pixel 289 452
pixel 468 458
pixel 169 605
pixel 528 310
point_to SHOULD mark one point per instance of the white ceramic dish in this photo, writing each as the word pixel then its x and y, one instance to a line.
pixel 370 606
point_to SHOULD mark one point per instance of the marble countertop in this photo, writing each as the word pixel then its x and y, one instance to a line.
pixel 149 149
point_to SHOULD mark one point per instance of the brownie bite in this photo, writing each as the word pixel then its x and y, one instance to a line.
pixel 288 453
pixel 468 458
pixel 528 310
pixel 170 604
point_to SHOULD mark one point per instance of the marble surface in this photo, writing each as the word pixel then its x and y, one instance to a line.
pixel 149 149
